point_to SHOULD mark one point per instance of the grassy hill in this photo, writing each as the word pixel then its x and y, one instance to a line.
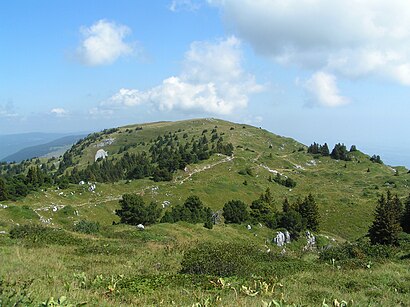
pixel 121 265
pixel 342 188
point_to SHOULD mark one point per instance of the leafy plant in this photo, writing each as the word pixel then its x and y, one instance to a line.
pixel 220 259
pixel 87 227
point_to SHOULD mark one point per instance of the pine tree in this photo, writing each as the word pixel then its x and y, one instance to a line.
pixel 386 225
pixel 134 211
pixel 3 190
pixel 235 211
pixel 324 150
pixel 405 219
pixel 310 212
pixel 285 205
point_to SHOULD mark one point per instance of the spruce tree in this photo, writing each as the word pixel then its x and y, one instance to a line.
pixel 3 190
pixel 405 219
pixel 386 225
pixel 310 212
pixel 235 211
pixel 285 205
pixel 324 150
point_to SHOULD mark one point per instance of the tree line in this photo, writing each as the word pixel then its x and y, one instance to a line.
pixel 391 218
pixel 295 217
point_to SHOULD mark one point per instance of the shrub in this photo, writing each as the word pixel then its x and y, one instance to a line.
pixel 358 250
pixel 43 235
pixel 220 259
pixel 87 227
pixel 15 293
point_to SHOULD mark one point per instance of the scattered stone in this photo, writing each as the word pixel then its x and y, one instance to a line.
pixel 81 182
pixel 106 142
pixel 140 227
pixel 249 227
pixel 2 232
pixel 287 237
pixel 311 241
pixel 280 239
pixel 3 206
pixel 166 204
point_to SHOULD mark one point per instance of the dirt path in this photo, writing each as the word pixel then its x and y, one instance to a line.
pixel 206 167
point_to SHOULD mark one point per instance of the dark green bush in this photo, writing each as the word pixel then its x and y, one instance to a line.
pixel 220 259
pixel 43 235
pixel 87 227
pixel 15 293
pixel 358 250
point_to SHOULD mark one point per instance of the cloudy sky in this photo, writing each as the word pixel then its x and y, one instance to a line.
pixel 315 70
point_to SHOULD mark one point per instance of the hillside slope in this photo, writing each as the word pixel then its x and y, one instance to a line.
pixel 346 191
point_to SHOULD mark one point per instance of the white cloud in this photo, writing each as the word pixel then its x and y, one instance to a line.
pixel 59 112
pixel 125 97
pixel 212 80
pixel 103 43
pixel 323 90
pixel 351 38
pixel 184 5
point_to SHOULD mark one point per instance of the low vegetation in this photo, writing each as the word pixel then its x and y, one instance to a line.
pixel 70 232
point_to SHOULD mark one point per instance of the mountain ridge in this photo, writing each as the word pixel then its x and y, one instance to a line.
pixel 350 188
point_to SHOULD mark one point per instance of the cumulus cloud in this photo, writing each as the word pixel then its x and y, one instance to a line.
pixel 212 80
pixel 184 5
pixel 103 43
pixel 59 112
pixel 351 38
pixel 323 90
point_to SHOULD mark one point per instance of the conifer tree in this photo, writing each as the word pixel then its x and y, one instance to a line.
pixel 405 219
pixel 310 212
pixel 235 211
pixel 386 225
pixel 324 150
pixel 285 205
pixel 3 190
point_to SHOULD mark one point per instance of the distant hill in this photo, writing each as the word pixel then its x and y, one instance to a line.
pixel 53 148
pixel 12 143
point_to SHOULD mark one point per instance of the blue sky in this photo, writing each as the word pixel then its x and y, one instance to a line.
pixel 312 70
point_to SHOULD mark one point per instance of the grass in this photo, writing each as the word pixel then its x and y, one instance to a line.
pixel 122 266
pixel 338 186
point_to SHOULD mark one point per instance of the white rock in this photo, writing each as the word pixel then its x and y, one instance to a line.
pixel 140 227
pixel 101 153
pixel 280 239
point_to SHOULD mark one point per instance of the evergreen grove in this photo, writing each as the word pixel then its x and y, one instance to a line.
pixel 296 217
